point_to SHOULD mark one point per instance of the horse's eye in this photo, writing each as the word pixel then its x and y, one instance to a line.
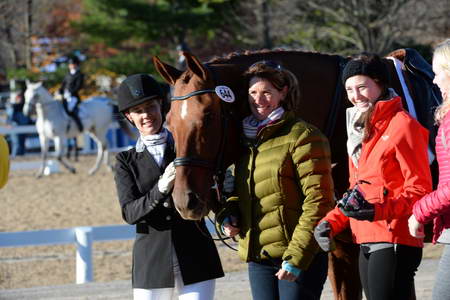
pixel 186 78
pixel 208 117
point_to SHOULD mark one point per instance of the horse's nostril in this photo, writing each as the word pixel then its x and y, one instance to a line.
pixel 193 200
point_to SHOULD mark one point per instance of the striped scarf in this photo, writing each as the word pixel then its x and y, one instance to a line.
pixel 252 125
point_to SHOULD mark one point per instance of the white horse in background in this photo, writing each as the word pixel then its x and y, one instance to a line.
pixel 52 122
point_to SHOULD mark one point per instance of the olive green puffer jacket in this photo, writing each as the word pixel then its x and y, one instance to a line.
pixel 284 187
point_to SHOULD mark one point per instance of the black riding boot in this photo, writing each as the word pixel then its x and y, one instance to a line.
pixel 76 118
pixel 78 122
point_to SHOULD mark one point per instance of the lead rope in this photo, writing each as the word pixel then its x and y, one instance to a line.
pixel 218 233
pixel 220 236
pixel 219 169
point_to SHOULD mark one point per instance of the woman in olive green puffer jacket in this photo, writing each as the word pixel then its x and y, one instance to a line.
pixel 283 187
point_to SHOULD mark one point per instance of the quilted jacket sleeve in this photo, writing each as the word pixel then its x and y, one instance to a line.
pixel 4 161
pixel 437 202
pixel 433 204
pixel 312 158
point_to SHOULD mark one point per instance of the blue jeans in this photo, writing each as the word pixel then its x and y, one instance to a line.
pixel 17 118
pixel 441 289
pixel 308 286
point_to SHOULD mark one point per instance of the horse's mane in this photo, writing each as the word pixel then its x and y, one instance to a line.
pixel 230 57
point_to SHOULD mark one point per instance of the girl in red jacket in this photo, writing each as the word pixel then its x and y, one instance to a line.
pixel 389 171
pixel 436 205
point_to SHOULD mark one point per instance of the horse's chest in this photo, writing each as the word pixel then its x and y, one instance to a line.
pixel 51 128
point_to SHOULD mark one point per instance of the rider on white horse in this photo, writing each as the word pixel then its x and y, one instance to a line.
pixel 70 87
pixel 52 124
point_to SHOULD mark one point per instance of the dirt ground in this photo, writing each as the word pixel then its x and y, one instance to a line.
pixel 65 200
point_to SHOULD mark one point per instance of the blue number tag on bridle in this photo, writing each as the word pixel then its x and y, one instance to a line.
pixel 225 93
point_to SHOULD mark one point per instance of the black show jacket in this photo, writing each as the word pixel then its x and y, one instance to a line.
pixel 158 226
pixel 73 83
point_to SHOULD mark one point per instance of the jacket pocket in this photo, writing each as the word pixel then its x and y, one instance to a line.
pixel 373 193
pixel 283 224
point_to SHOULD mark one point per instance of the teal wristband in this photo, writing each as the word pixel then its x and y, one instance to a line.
pixel 290 268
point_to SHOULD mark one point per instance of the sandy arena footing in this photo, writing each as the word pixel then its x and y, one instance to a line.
pixel 234 286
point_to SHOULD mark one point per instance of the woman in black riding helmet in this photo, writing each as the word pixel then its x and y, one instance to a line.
pixel 168 251
pixel 70 88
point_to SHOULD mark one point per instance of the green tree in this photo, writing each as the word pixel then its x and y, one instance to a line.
pixel 349 26
pixel 115 22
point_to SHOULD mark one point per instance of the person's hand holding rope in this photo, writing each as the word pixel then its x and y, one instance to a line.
pixel 230 226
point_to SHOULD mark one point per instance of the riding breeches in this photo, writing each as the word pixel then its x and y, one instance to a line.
pixel 203 290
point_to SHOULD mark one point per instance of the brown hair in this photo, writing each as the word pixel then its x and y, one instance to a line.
pixel 371 65
pixel 279 78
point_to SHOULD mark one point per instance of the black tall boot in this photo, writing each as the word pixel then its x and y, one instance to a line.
pixel 76 118
pixel 78 122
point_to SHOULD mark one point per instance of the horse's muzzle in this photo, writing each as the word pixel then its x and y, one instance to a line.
pixel 194 208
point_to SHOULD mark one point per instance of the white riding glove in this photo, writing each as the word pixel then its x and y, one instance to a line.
pixel 166 181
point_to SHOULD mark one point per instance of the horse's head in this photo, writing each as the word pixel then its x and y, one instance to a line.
pixel 35 94
pixel 196 120
pixel 31 97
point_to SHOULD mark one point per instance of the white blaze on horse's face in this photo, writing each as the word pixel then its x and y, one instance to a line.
pixel 184 110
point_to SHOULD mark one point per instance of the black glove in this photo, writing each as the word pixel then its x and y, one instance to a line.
pixel 354 205
pixel 322 236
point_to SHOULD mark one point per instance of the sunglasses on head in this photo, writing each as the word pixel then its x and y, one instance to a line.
pixel 269 63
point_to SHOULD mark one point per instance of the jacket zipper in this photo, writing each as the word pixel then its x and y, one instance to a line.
pixel 253 150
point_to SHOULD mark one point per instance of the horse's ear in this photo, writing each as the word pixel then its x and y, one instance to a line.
pixel 169 73
pixel 195 66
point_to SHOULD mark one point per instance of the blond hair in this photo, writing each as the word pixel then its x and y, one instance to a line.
pixel 441 56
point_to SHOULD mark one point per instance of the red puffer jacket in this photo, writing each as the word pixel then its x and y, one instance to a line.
pixel 394 162
pixel 436 205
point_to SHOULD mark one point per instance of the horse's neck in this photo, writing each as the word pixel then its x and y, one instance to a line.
pixel 51 110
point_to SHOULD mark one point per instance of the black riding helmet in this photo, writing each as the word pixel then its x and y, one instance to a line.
pixel 136 89
pixel 74 60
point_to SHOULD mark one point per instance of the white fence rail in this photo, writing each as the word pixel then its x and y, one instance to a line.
pixel 82 237
pixel 87 148
pixel 18 129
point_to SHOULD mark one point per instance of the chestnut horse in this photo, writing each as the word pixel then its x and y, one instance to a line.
pixel 206 128
pixel 210 100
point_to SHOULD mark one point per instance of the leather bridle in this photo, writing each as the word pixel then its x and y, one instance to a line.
pixel 192 161
pixel 218 166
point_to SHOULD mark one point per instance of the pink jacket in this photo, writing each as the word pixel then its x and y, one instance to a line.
pixel 436 205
